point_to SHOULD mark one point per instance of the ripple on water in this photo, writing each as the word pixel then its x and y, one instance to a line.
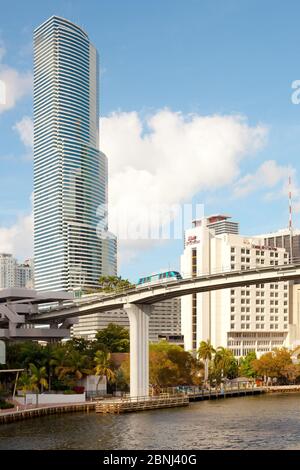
pixel 258 422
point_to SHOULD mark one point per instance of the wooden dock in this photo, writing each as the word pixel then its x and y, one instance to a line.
pixel 11 416
pixel 132 404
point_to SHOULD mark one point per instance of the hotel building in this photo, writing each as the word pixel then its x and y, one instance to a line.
pixel 243 319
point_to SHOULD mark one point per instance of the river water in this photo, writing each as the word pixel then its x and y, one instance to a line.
pixel 254 422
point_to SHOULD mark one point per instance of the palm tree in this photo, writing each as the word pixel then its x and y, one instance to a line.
pixel 205 352
pixel 76 364
pixel 46 361
pixel 38 379
pixel 103 367
pixel 24 384
pixel 224 361
pixel 59 361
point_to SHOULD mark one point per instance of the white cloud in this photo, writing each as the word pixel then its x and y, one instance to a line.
pixel 160 162
pixel 24 127
pixel 17 84
pixel 267 176
pixel 170 157
pixel 18 238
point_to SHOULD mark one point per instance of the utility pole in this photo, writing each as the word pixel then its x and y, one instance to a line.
pixel 290 220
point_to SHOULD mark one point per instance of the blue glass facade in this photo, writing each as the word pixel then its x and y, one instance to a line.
pixel 70 173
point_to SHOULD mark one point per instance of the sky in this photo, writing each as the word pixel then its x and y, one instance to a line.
pixel 197 107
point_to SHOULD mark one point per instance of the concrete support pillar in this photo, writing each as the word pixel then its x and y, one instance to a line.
pixel 139 348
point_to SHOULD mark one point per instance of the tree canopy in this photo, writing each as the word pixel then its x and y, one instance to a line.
pixel 113 338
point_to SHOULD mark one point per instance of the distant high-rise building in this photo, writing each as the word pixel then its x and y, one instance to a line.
pixel 8 271
pixel 13 274
pixel 70 173
pixel 25 274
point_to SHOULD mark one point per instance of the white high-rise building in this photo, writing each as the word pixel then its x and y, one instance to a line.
pixel 8 271
pixel 25 274
pixel 13 274
pixel 71 249
pixel 252 318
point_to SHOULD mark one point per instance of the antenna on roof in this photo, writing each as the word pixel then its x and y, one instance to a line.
pixel 290 219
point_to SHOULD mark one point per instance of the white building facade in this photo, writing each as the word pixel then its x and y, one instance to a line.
pixel 244 319
pixel 165 321
pixel 13 274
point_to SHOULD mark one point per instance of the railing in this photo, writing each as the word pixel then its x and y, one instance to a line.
pixel 209 390
pixel 169 283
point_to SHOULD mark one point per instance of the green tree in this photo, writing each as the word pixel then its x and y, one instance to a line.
pixel 38 380
pixel 38 377
pixel 59 361
pixel 113 338
pixel 79 344
pixel 205 352
pixel 273 364
pixel 246 365
pixel 111 284
pixel 170 365
pixel 24 384
pixel 224 364
pixel 77 365
pixel 103 367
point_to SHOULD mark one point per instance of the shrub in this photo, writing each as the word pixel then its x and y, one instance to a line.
pixel 69 392
pixel 5 405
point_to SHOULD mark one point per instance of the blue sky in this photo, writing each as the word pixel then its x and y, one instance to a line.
pixel 200 57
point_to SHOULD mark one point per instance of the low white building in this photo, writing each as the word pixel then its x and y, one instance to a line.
pixel 244 319
pixel 165 320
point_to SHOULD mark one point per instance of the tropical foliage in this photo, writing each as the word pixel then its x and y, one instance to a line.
pixel 59 366
pixel 277 365
pixel 114 338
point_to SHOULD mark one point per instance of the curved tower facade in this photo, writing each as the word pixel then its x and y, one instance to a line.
pixel 70 173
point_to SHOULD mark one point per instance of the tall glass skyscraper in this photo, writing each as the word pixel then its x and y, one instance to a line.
pixel 70 173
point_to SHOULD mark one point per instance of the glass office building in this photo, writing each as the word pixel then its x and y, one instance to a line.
pixel 71 247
